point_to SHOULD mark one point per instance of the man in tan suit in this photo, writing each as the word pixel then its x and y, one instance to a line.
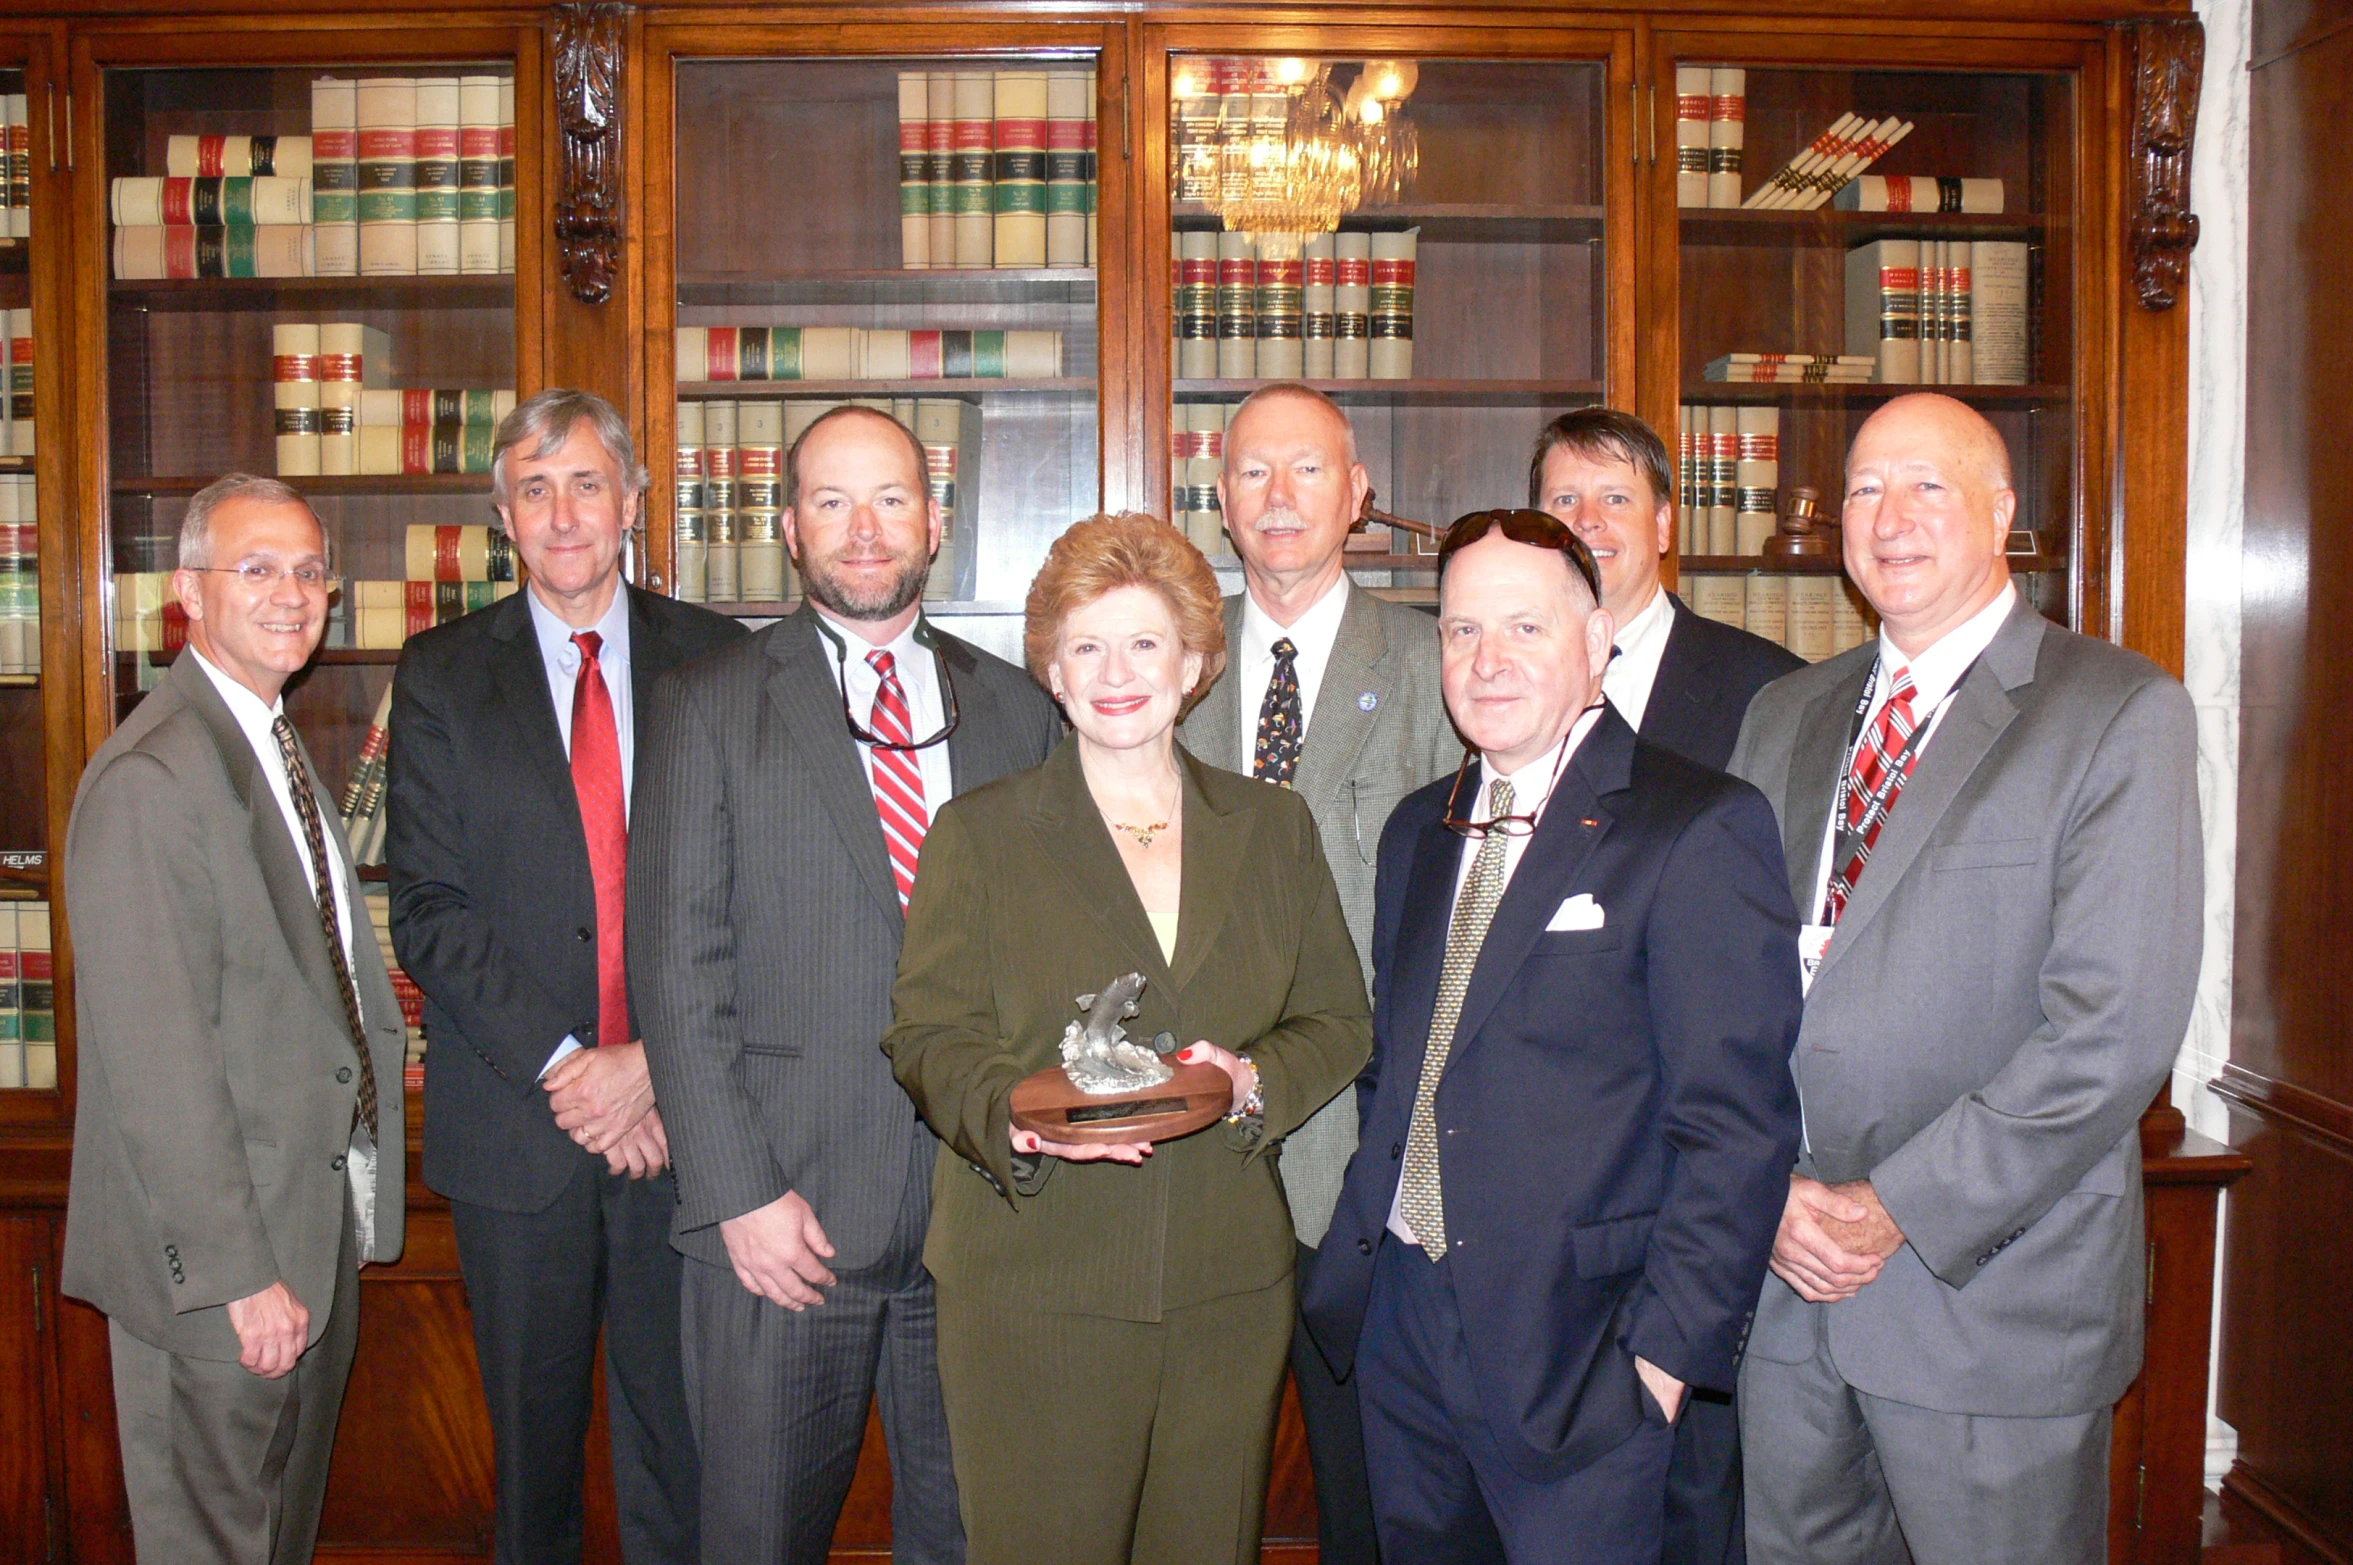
pixel 238 1141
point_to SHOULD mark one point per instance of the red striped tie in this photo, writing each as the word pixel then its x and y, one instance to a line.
pixel 898 779
pixel 1890 733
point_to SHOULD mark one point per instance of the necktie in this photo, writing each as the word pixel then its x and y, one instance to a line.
pixel 1280 721
pixel 1421 1198
pixel 604 820
pixel 306 808
pixel 898 780
pixel 1866 809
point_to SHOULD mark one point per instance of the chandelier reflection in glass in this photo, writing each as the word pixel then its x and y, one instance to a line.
pixel 1275 147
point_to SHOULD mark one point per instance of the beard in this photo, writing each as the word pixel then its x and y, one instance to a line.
pixel 860 604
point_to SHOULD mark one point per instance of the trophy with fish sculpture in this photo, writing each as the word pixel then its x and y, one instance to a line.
pixel 1109 1088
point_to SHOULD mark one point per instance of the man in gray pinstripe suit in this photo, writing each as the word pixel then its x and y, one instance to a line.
pixel 1343 687
pixel 785 784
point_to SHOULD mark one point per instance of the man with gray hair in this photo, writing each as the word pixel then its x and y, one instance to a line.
pixel 512 771
pixel 235 1163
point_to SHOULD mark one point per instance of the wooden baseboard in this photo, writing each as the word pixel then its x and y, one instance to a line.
pixel 2245 1486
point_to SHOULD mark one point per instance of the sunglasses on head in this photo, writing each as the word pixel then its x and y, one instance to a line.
pixel 1537 529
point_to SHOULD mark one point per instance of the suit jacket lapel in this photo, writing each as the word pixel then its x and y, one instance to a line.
pixel 1411 989
pixel 804 689
pixel 1681 685
pixel 1070 836
pixel 1812 785
pixel 1213 729
pixel 520 674
pixel 976 749
pixel 1215 850
pixel 1341 722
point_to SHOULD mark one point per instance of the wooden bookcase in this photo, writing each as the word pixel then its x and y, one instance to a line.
pixel 737 165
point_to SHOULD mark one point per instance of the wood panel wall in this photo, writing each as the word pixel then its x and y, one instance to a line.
pixel 2287 1364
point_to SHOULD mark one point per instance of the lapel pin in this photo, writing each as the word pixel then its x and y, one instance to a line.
pixel 1589 822
pixel 1367 701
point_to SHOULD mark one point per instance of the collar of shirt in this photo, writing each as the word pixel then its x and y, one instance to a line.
pixel 562 653
pixel 1531 790
pixel 1642 642
pixel 1935 670
pixel 919 679
pixel 1313 634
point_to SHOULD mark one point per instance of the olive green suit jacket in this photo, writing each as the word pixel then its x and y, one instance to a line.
pixel 1022 906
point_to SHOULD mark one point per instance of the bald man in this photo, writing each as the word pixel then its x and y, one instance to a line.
pixel 1991 826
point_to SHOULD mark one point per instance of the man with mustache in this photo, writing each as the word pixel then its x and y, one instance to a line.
pixel 1334 693
pixel 785 788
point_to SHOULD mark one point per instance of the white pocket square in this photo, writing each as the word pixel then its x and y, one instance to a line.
pixel 1578 912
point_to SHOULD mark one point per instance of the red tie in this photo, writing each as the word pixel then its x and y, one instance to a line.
pixel 1866 811
pixel 898 780
pixel 604 817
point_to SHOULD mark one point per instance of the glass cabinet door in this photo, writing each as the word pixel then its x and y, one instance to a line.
pixel 918 233
pixel 1424 238
pixel 1846 236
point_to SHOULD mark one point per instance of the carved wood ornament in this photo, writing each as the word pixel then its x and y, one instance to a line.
pixel 588 113
pixel 2168 60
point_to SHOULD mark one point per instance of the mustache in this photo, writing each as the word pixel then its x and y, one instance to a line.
pixel 1278 516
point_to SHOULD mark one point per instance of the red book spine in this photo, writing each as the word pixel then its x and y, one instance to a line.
pixel 384 144
pixel 1352 272
pixel 445 554
pixel 416 447
pixel 334 146
pixel 419 603
pixel 923 355
pixel 722 353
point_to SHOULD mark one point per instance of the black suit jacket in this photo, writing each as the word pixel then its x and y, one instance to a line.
pixel 493 903
pixel 1617 1120
pixel 1708 674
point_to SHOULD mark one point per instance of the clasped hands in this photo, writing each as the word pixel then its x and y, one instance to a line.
pixel 1245 1079
pixel 604 1099
pixel 1833 1239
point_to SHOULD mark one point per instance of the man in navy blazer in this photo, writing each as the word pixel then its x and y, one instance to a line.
pixel 1579 1119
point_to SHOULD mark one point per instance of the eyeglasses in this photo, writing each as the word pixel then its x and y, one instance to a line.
pixel 859 731
pixel 1538 529
pixel 1505 825
pixel 261 576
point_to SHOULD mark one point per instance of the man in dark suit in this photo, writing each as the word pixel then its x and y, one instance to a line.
pixel 508 838
pixel 237 1144
pixel 1579 1118
pixel 1683 681
pixel 789 782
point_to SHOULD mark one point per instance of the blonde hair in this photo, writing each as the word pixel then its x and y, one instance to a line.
pixel 1105 553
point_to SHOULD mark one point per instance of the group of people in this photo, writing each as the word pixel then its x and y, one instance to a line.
pixel 1683 1102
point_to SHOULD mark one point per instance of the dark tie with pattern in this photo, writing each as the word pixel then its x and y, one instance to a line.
pixel 306 806
pixel 1280 721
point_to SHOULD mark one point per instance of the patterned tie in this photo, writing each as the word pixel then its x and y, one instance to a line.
pixel 1280 721
pixel 604 820
pixel 898 780
pixel 306 806
pixel 1421 1198
pixel 1866 813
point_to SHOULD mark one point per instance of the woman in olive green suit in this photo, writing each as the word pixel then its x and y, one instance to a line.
pixel 1113 1321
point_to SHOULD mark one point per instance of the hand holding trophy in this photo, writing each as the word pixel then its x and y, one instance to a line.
pixel 1112 1092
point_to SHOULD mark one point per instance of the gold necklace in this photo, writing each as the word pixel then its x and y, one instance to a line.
pixel 1142 834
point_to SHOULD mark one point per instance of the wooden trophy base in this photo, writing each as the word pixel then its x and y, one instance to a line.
pixel 1048 1106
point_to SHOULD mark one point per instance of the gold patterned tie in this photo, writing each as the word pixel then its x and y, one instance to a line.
pixel 1421 1198
pixel 306 805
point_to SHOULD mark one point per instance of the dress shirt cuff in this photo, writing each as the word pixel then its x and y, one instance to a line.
pixel 570 1046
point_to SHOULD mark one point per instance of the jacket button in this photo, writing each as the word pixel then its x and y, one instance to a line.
pixel 337 1165
pixel 172 1250
pixel 583 934
pixel 1364 1247
pixel 344 1074
pixel 1396 1149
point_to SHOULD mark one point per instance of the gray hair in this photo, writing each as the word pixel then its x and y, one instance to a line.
pixel 1298 388
pixel 545 421
pixel 196 524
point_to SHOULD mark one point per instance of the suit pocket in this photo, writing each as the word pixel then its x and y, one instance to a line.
pixel 2002 853
pixel 774 1051
pixel 1577 942
pixel 1606 1249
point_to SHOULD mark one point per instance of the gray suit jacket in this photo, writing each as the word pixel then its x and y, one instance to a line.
pixel 1378 732
pixel 764 930
pixel 2003 997
pixel 217 1074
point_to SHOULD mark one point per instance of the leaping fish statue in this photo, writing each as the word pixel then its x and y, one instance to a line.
pixel 1096 1052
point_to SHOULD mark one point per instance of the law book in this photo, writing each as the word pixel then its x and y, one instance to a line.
pixel 334 177
pixel 1693 101
pixel 1840 162
pixel 352 357
pixel 1849 627
pixel 1204 519
pixel 369 766
pixel 1919 193
pixel 22 355
pixel 975 156
pixel 914 171
pixel 1819 187
pixel 882 353
pixel 1278 303
pixel 20 167
pixel 1883 306
pixel 1723 479
pixel 1393 261
pixel 294 387
pixel 1721 598
pixel 1960 320
pixel 689 563
pixel 1021 103
pixel 1196 305
pixel 1812 628
pixel 949 430
pixel 1756 478
pixel 37 995
pixel 387 111
pixel 1727 133
pixel 1813 155
pixel 12 1037
pixel 20 577
pixel 1237 306
pixel 1775 368
pixel 759 459
pixel 2001 349
pixel 180 251
pixel 438 174
pixel 1070 107
pixel 478 174
pixel 939 148
pixel 1765 606
pixel 1352 295
pixel 212 201
pixel 1318 324
pixel 721 427
pixel 1090 129
pixel 1687 513
pixel 242 155
pixel 506 174
pixel 464 552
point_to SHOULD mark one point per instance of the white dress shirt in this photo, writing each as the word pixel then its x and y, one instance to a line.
pixel 257 721
pixel 919 677
pixel 1642 641
pixel 1313 634
pixel 1934 674
pixel 1531 791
